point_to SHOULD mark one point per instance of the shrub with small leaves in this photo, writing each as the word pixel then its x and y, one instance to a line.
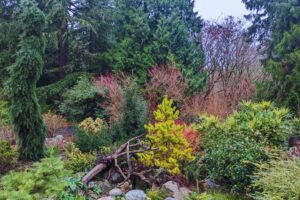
pixel 165 136
pixel 278 179
pixel 8 156
pixel 158 194
pixel 45 180
pixel 78 161
pixel 92 126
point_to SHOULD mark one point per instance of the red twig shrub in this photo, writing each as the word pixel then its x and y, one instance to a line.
pixel 166 80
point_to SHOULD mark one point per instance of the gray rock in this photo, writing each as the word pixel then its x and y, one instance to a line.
pixel 184 192
pixel 170 198
pixel 115 192
pixel 177 192
pixel 172 187
pixel 105 186
pixel 210 184
pixel 91 185
pixel 136 195
pixel 106 198
pixel 116 177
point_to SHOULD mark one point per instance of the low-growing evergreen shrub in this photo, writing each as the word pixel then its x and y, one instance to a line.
pixel 249 136
pixel 45 180
pixel 92 135
pixel 8 156
pixel 78 161
pixel 278 180
pixel 81 101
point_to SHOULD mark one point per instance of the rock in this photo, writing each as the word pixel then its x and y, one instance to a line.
pixel 136 195
pixel 210 184
pixel 92 195
pixel 176 191
pixel 115 192
pixel 106 198
pixel 59 138
pixel 91 185
pixel 105 186
pixel 184 193
pixel 170 198
pixel 125 187
pixel 116 177
pixel 172 187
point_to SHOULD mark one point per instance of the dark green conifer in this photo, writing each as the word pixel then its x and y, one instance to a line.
pixel 24 74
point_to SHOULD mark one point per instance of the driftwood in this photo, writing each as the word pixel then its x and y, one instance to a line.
pixel 124 150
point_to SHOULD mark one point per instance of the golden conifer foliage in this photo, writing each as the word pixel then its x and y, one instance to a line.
pixel 167 138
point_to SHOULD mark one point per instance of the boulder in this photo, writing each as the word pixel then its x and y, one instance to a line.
pixel 105 186
pixel 136 195
pixel 210 184
pixel 176 191
pixel 125 187
pixel 106 198
pixel 115 192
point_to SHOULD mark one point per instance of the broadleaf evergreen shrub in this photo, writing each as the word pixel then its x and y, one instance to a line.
pixel 45 180
pixel 252 135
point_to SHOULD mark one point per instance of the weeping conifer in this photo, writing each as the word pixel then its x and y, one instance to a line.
pixel 24 74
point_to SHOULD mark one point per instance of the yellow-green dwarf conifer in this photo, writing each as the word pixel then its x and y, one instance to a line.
pixel 166 137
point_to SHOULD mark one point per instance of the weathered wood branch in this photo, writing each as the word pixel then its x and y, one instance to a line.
pixel 124 150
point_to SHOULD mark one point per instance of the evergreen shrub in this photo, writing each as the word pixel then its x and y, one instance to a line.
pixel 278 179
pixel 252 135
pixel 81 101
pixel 92 135
pixel 45 180
pixel 8 156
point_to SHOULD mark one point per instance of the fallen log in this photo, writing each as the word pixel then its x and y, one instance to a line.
pixel 124 150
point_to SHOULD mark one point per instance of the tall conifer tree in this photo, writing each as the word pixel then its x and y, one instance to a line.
pixel 24 74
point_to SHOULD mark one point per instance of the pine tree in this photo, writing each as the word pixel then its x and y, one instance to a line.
pixel 24 74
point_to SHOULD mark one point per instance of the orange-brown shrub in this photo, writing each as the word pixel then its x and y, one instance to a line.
pixel 219 101
pixel 166 80
pixel 110 87
pixel 55 124
pixel 192 137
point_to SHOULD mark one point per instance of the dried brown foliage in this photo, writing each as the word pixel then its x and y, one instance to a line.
pixel 55 124
pixel 166 80
pixel 110 87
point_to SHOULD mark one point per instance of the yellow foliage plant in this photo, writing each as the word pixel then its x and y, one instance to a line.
pixel 92 126
pixel 166 137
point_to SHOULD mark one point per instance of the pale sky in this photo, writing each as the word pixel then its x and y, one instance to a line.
pixel 218 9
